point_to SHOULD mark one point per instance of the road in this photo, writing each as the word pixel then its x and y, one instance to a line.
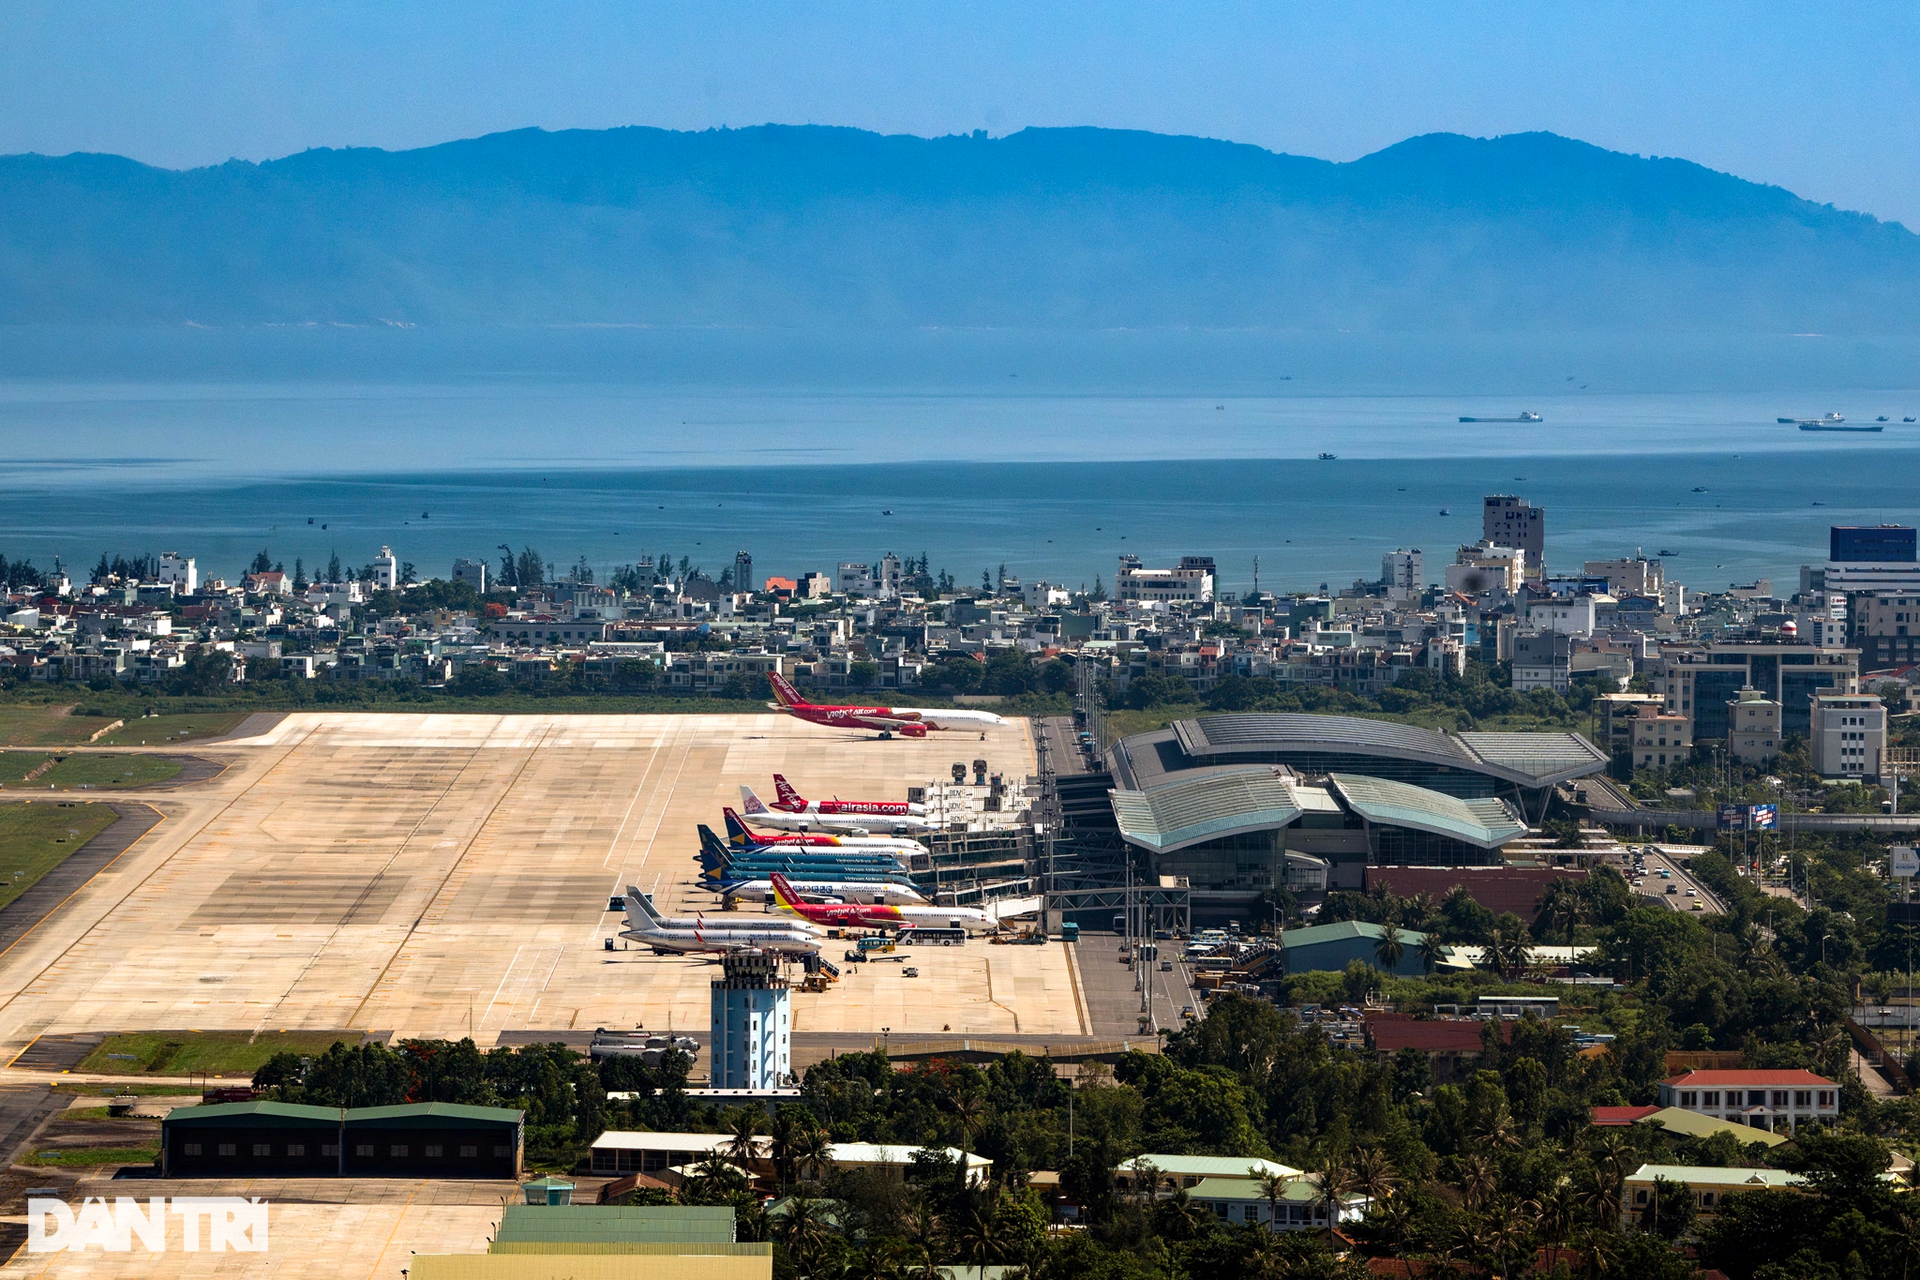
pixel 1654 886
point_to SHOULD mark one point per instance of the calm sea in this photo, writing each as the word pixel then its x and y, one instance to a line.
pixel 1050 454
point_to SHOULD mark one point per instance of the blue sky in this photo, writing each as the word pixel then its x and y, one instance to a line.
pixel 1824 100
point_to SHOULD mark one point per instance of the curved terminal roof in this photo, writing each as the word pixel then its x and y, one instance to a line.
pixel 1487 823
pixel 1531 760
pixel 1205 806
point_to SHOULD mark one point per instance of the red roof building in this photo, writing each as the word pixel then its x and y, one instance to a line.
pixel 1776 1100
pixel 1498 889
pixel 1610 1117
pixel 1452 1045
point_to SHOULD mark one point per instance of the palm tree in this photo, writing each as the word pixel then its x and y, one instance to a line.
pixel 1373 1175
pixel 1477 1178
pixel 812 1149
pixel 714 1179
pixel 1613 1153
pixel 1558 1211
pixel 1146 1173
pixel 1389 949
pixel 1332 1183
pixel 1496 1129
pixel 803 1230
pixel 785 1129
pixel 1431 951
pixel 1505 953
pixel 1597 1192
pixel 1189 1215
pixel 979 1238
pixel 1562 908
pixel 1274 1187
pixel 969 1113
pixel 1421 909
pixel 1504 1233
pixel 743 1134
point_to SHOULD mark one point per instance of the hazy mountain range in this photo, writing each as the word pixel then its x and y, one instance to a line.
pixel 1045 228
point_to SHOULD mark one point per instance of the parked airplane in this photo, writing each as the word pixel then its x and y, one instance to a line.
pixel 741 836
pixel 879 916
pixel 756 811
pixel 760 889
pixel 787 800
pixel 645 925
pixel 908 722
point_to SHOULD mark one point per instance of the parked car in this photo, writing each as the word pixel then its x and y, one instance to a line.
pixel 909 972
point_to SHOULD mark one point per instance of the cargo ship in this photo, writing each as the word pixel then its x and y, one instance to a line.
pixel 1524 417
pixel 1828 422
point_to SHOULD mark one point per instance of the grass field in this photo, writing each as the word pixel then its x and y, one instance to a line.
pixel 91 770
pixel 41 725
pixel 180 1053
pixel 36 838
pixel 89 1157
pixel 159 730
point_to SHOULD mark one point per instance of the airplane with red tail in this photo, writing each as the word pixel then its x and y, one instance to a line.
pixel 877 915
pixel 908 722
pixel 787 800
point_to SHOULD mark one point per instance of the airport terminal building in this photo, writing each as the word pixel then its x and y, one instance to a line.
pixel 1234 805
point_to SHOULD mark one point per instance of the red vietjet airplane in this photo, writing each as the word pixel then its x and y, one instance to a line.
pixel 878 915
pixel 791 801
pixel 908 722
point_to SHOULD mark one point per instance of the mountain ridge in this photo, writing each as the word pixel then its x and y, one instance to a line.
pixel 1073 227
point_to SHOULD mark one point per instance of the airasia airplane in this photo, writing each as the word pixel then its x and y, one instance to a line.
pixel 758 813
pixel 787 800
pixel 878 915
pixel 908 722
pixel 740 836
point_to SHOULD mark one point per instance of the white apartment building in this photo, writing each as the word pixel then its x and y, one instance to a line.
pixel 386 571
pixel 1484 567
pixel 180 572
pixel 1403 572
pixel 1753 727
pixel 1631 576
pixel 1572 616
pixel 1849 735
pixel 1773 1100
pixel 471 572
pixel 1190 582
pixel 1659 737
pixel 853 578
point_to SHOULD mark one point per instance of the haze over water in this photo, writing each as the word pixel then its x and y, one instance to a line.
pixel 1049 453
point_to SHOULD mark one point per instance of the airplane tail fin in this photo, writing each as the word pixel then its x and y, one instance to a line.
pixel 641 917
pixel 783 892
pixel 785 694
pixel 784 792
pixel 711 845
pixel 751 804
pixel 737 833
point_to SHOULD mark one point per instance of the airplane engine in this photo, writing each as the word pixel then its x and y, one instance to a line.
pixel 912 731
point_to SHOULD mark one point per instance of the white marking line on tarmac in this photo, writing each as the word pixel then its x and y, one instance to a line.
pixel 503 982
pixel 533 1013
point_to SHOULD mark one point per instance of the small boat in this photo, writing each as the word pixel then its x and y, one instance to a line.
pixel 1823 425
pixel 1906 419
pixel 1328 457
pixel 1882 418
pixel 1666 551
pixel 887 512
pixel 1819 504
pixel 1699 488
pixel 1524 417
pixel 1445 511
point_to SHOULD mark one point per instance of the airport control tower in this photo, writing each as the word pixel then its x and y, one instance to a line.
pixel 751 1042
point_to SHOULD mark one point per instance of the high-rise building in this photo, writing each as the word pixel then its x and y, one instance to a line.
pixel 1508 521
pixel 1871 544
pixel 750 1041
pixel 743 572
pixel 1849 735
pixel 1703 680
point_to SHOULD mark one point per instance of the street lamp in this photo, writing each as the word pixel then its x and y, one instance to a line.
pixel 1823 947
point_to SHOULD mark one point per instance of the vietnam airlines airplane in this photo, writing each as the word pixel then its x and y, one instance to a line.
pixel 908 722
pixel 878 915
pixel 787 800
pixel 756 811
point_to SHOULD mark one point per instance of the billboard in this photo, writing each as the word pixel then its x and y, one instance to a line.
pixel 1906 861
pixel 1731 817
pixel 1763 817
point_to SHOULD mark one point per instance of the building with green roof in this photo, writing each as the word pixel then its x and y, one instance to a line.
pixel 1333 947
